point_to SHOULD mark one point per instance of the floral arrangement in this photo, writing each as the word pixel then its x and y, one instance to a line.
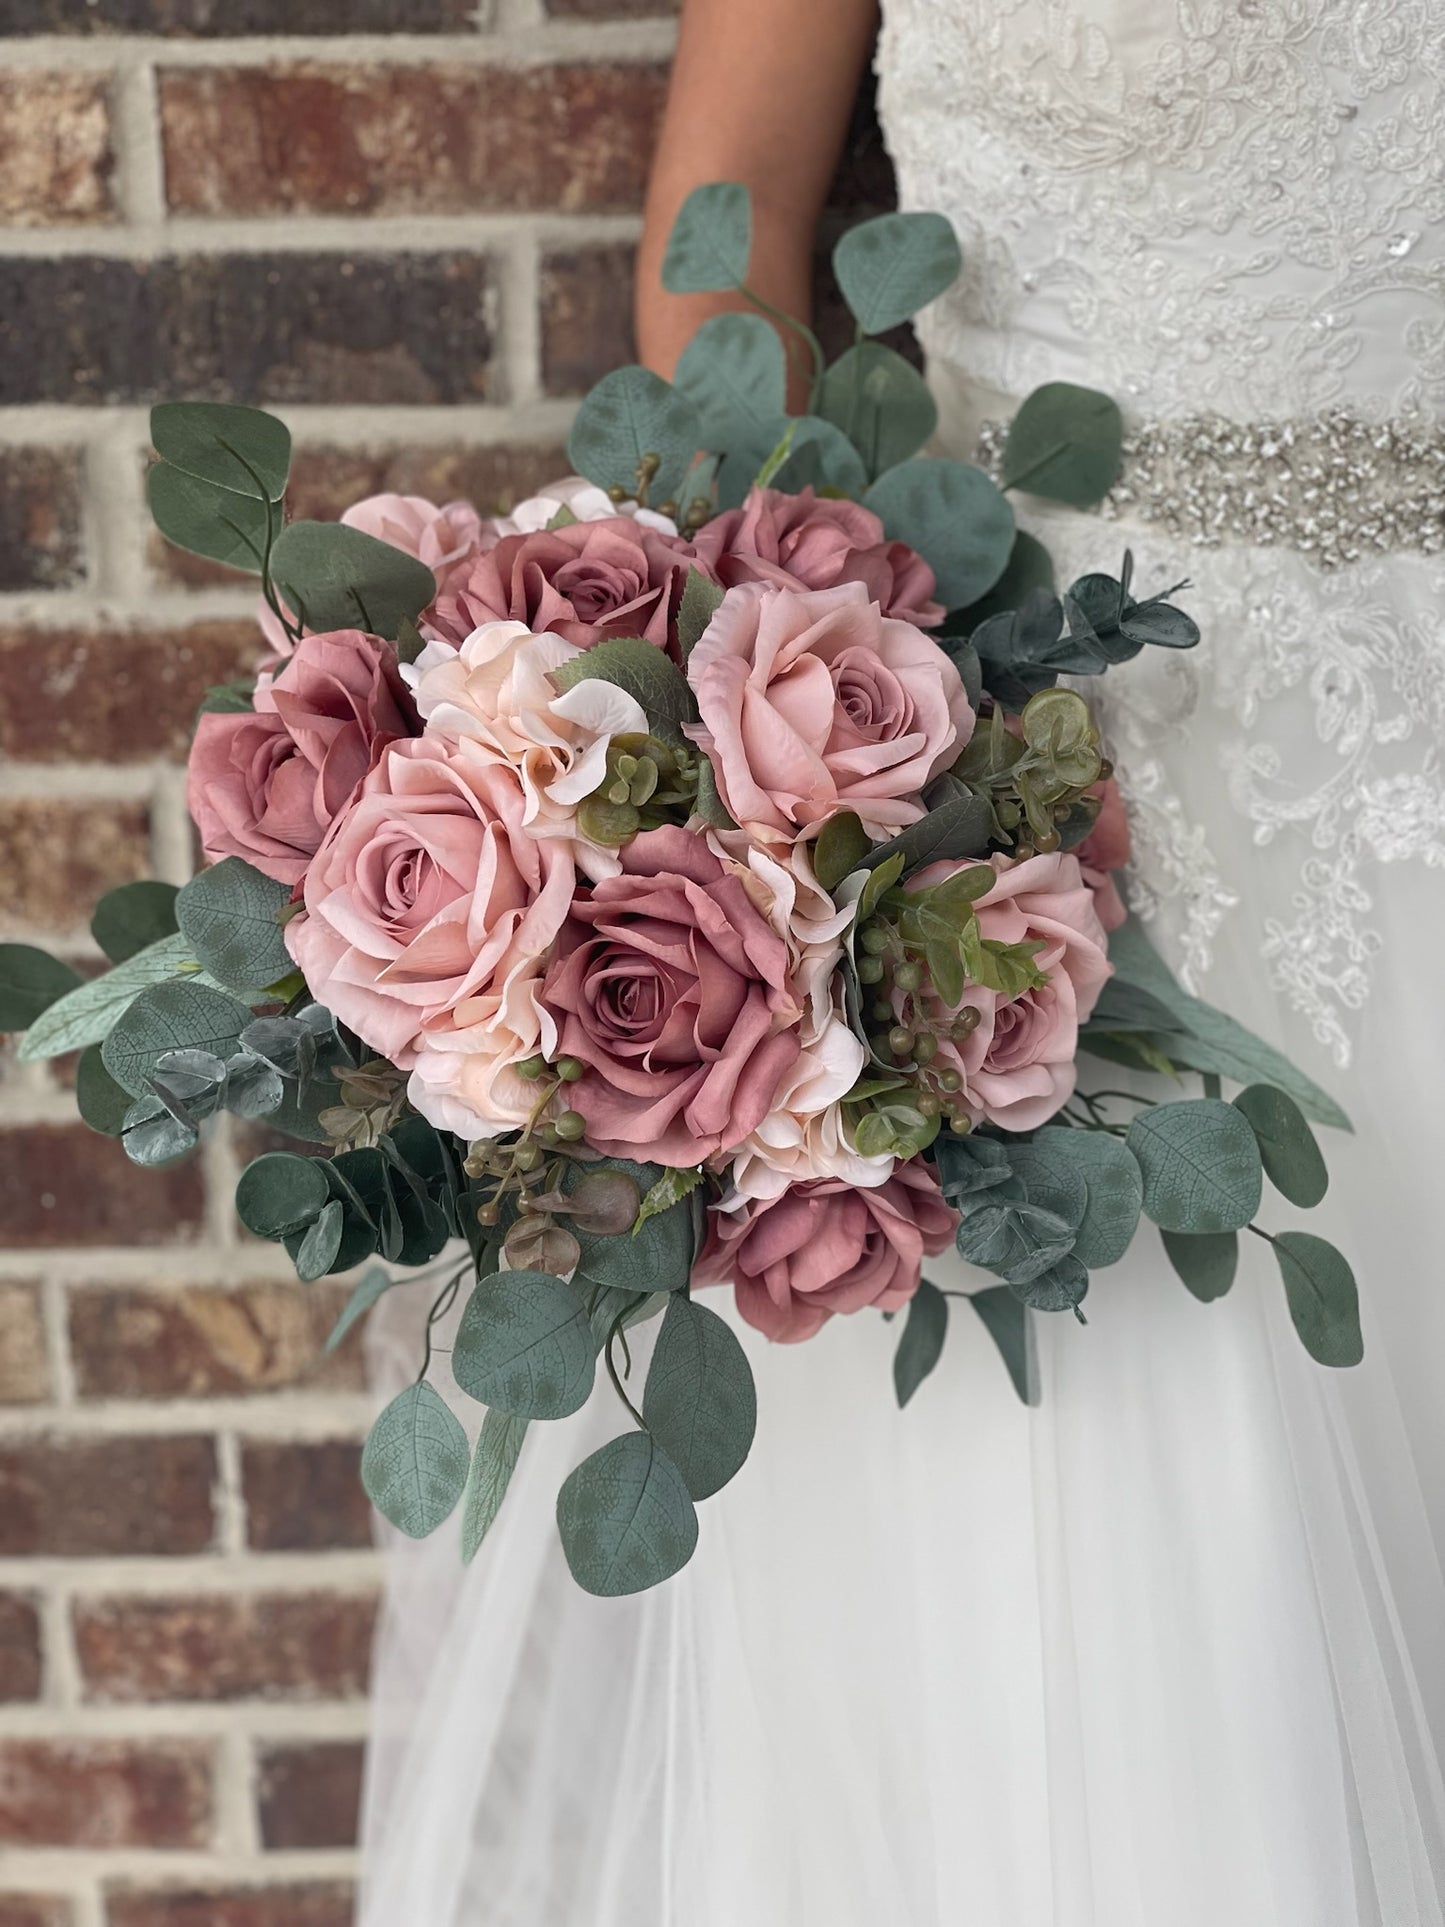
pixel 699 878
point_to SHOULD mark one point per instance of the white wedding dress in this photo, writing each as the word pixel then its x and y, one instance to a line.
pixel 1168 1651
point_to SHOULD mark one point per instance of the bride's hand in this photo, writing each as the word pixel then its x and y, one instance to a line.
pixel 761 93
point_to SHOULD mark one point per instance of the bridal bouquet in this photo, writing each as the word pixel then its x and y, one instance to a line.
pixel 699 878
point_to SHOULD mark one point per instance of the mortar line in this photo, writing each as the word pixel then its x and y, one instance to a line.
pixel 530 40
pixel 470 232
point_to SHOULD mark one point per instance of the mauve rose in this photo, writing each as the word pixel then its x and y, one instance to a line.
pixel 429 905
pixel 445 538
pixel 1018 1064
pixel 267 785
pixel 671 988
pixel 582 582
pixel 1105 849
pixel 813 702
pixel 826 1247
pixel 810 541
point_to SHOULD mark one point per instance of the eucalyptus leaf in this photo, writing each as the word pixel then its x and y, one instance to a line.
pixel 1062 1287
pixel 1007 1323
pixel 499 1445
pixel 1017 1241
pixel 956 829
pixel 371 1286
pixel 321 1243
pixel 710 806
pixel 819 456
pixel 655 1257
pixel 1200 1163
pixel 279 1192
pixel 701 599
pixel 629 414
pixel 1323 1299
pixel 956 519
pixel 134 915
pixel 626 1518
pixel 969 1163
pixel 839 848
pixel 735 374
pixel 229 698
pixel 1065 443
pixel 710 241
pixel 880 402
pixel 86 1014
pixel 1051 1177
pixel 1029 567
pixel 700 1403
pixel 244 450
pixel 254 1088
pixel 1292 1159
pixel 154 1135
pixel 921 1344
pixel 1114 1189
pixel 415 1461
pixel 171 1016
pixel 639 667
pixel 524 1346
pixel 206 519
pixel 1121 1005
pixel 229 916
pixel 31 981
pixel 102 1102
pixel 336 577
pixel 1205 1261
pixel 891 267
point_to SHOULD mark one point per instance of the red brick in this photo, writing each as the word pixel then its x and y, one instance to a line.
pixel 139 1342
pixel 24 1368
pixel 223 19
pixel 292 1646
pixel 292 1906
pixel 36 1910
pixel 304 1495
pixel 113 695
pixel 586 316
pixel 309 1795
pixel 611 9
pixel 61 1184
pixel 402 139
pixel 40 536
pixel 19 1650
pixel 84 1498
pixel 57 857
pixel 55 155
pixel 104 1793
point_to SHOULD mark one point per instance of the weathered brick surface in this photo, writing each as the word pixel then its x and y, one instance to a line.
pixel 118 695
pixel 40 537
pixel 136 1342
pixel 271 328
pixel 318 1905
pixel 24 1367
pixel 611 9
pixel 210 19
pixel 61 1184
pixel 84 1498
pixel 586 316
pixel 19 1650
pixel 105 1793
pixel 55 149
pixel 303 1646
pixel 57 857
pixel 36 1910
pixel 304 1495
pixel 309 1795
pixel 316 139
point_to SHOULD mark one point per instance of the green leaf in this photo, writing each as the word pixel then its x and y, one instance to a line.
pixel 1065 443
pixel 499 1445
pixel 1052 1178
pixel 279 1193
pixel 626 1519
pixel 671 1188
pixel 956 829
pixel 372 1285
pixel 524 1346
pixel 335 577
pixel 1016 1241
pixel 710 241
pixel 1124 1006
pixel 954 516
pixel 1206 1261
pixel 183 1015
pixel 1292 1159
pixel 129 919
pixel 244 450
pixel 700 1403
pixel 229 916
pixel 700 602
pixel 921 1345
pixel 84 1015
pixel 154 1135
pixel 970 1163
pixel 229 698
pixel 414 1463
pixel 1030 567
pixel 31 981
pixel 880 402
pixel 1323 1300
pixel 1201 1165
pixel 633 413
pixel 656 1256
pixel 102 1102
pixel 1007 1323
pixel 321 1243
pixel 1063 1287
pixel 710 806
pixel 735 374
pixel 839 849
pixel 209 520
pixel 891 267
pixel 640 668
pixel 819 456
pixel 1114 1190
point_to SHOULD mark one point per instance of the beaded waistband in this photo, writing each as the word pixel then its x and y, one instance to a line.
pixel 1336 488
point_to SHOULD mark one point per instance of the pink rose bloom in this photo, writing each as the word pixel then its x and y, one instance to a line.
pixel 827 1247
pixel 813 702
pixel 1105 849
pixel 583 582
pixel 445 538
pixel 670 986
pixel 268 785
pixel 808 541
pixel 1018 1065
pixel 429 906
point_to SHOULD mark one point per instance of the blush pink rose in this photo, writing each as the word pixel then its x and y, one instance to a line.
pixel 825 1247
pixel 671 988
pixel 582 582
pixel 428 898
pixel 813 702
pixel 445 539
pixel 268 785
pixel 1018 1064
pixel 1104 850
pixel 808 541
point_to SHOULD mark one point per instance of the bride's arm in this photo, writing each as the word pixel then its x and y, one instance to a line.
pixel 761 93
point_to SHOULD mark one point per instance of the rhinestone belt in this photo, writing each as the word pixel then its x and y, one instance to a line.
pixel 1336 488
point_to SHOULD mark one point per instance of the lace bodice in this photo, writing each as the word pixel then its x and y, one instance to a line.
pixel 1217 208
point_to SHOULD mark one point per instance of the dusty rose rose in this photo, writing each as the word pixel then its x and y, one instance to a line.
pixel 445 539
pixel 810 541
pixel 813 702
pixel 1104 850
pixel 429 907
pixel 826 1247
pixel 267 786
pixel 583 582
pixel 670 987
pixel 1018 1065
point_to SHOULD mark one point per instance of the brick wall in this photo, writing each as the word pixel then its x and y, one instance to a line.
pixel 408 225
